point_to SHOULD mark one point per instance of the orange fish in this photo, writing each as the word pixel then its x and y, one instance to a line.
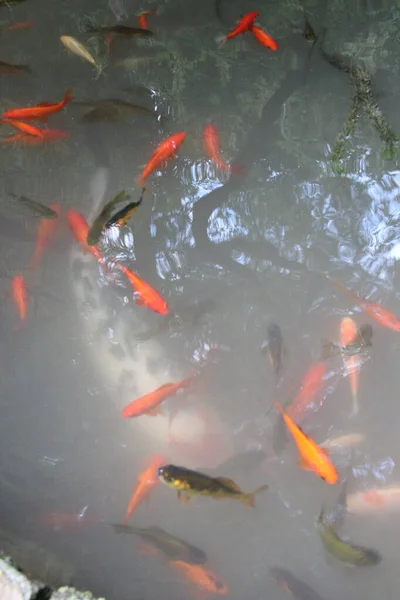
pixel 20 296
pixel 313 457
pixel 244 25
pixel 18 26
pixel 263 38
pixel 80 229
pixel 375 311
pixel 142 18
pixel 147 296
pixel 49 135
pixel 203 578
pixel 211 144
pixel 24 127
pixel 46 231
pixel 162 153
pixel 348 333
pixel 39 111
pixel 149 404
pixel 312 383
pixel 145 482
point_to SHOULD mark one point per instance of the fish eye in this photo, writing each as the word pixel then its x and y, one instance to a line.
pixel 323 478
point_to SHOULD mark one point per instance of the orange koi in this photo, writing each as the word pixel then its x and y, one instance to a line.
pixel 147 296
pixel 46 231
pixel 312 383
pixel 18 26
pixel 313 457
pixel 375 311
pixel 39 111
pixel 48 135
pixel 263 38
pixel 203 578
pixel 80 229
pixel 348 333
pixel 145 482
pixel 149 404
pixel 142 18
pixel 211 144
pixel 24 127
pixel 162 153
pixel 244 25
pixel 20 296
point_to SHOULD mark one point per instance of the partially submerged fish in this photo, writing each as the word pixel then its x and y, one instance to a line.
pixel 39 111
pixel 145 294
pixel 121 217
pixel 274 347
pixel 100 221
pixel 202 577
pixel 187 483
pixel 360 343
pixel 297 588
pixel 6 67
pixel 309 32
pixel 348 440
pixel 37 208
pixel 149 404
pixel 146 481
pixel 384 499
pixel 173 547
pixel 20 296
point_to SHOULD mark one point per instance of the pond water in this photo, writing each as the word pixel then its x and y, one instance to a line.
pixel 313 127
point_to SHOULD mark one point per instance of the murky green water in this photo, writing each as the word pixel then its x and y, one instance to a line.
pixel 254 248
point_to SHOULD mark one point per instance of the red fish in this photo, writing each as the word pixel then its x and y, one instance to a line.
pixel 18 26
pixel 146 481
pixel 147 296
pixel 312 383
pixel 263 38
pixel 149 404
pixel 142 18
pixel 375 311
pixel 39 111
pixel 20 296
pixel 244 25
pixel 162 153
pixel 202 577
pixel 80 229
pixel 46 231
pixel 211 144
pixel 26 128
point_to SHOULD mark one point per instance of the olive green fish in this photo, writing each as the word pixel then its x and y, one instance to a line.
pixel 122 216
pixel 173 547
pixel 187 483
pixel 36 207
pixel 100 221
pixel 124 30
pixel 361 342
pixel 274 347
pixel 298 589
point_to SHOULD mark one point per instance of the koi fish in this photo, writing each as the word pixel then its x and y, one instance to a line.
pixel 100 221
pixel 142 18
pixel 146 481
pixel 46 231
pixel 80 230
pixel 357 345
pixel 203 578
pixel 297 588
pixel 49 135
pixel 263 38
pixel 20 296
pixel 313 457
pixel 375 311
pixel 80 50
pixel 26 128
pixel 188 482
pixel 146 295
pixel 244 25
pixel 162 153
pixel 122 216
pixel 386 499
pixel 274 347
pixel 211 144
pixel 39 111
pixel 347 440
pixel 149 404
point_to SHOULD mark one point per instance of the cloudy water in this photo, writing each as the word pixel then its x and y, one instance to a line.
pixel 278 206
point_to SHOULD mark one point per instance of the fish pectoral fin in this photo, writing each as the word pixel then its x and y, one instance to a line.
pixel 184 498
pixel 154 411
pixel 303 464
pixel 229 483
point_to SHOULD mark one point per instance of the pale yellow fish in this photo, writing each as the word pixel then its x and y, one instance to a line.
pixel 79 49
pixel 348 440
pixel 385 499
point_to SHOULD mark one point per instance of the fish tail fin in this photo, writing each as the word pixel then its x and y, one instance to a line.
pixel 68 96
pixel 279 407
pixel 249 499
pixel 220 39
pixel 328 349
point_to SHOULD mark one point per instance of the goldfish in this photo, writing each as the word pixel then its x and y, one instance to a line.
pixel 297 588
pixel 162 153
pixel 187 483
pixel 244 25
pixel 8 68
pixel 311 385
pixel 122 216
pixel 146 481
pixel 80 50
pixel 375 311
pixel 385 499
pixel 142 18
pixel 20 296
pixel 149 404
pixel 49 135
pixel 360 340
pixel 274 347
pixel 173 547
pixel 146 295
pixel 99 223
pixel 46 231
pixel 80 229
pixel 39 111
pixel 263 38
pixel 313 457
pixel 26 128
pixel 211 144
pixel 203 578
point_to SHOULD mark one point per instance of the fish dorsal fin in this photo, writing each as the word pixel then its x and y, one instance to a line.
pixel 229 483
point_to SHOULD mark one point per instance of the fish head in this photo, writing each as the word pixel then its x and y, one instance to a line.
pixel 170 475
